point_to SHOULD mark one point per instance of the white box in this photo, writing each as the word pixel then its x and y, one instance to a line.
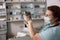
pixel 1 0
pixel 4 5
pixel 16 6
pixel 22 0
pixel 30 5
pixel 16 0
pixel 29 0
pixel 42 6
pixel 26 0
pixel 16 18
pixel 1 7
pixel 38 0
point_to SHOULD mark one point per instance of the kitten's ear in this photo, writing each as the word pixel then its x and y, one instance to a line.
pixel 27 16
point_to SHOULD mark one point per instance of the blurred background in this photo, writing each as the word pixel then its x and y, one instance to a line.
pixel 12 25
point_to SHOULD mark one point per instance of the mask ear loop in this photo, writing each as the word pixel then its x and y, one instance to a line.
pixel 58 23
pixel 54 20
pixel 55 25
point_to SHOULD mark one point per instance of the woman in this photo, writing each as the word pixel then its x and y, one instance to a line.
pixel 51 30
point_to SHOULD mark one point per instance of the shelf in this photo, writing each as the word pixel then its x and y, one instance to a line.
pixel 10 2
pixel 34 19
pixel 14 15
pixel 19 9
pixel 1 1
pixel 3 29
pixel 3 32
pixel 16 21
pixel 3 15
pixel 14 9
pixel 25 2
pixel 2 8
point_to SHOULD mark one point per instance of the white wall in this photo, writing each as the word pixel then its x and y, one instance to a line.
pixel 53 2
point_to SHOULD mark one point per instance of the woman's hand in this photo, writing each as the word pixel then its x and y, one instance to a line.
pixel 26 18
pixel 31 30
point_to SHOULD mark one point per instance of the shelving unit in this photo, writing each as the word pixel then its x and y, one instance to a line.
pixel 3 18
pixel 15 9
pixel 11 11
pixel 34 6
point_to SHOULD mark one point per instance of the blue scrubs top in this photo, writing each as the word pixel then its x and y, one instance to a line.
pixel 50 33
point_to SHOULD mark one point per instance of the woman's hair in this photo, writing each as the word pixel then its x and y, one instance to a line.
pixel 27 13
pixel 55 10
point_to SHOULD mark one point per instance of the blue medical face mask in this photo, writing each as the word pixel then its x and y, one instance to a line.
pixel 47 20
